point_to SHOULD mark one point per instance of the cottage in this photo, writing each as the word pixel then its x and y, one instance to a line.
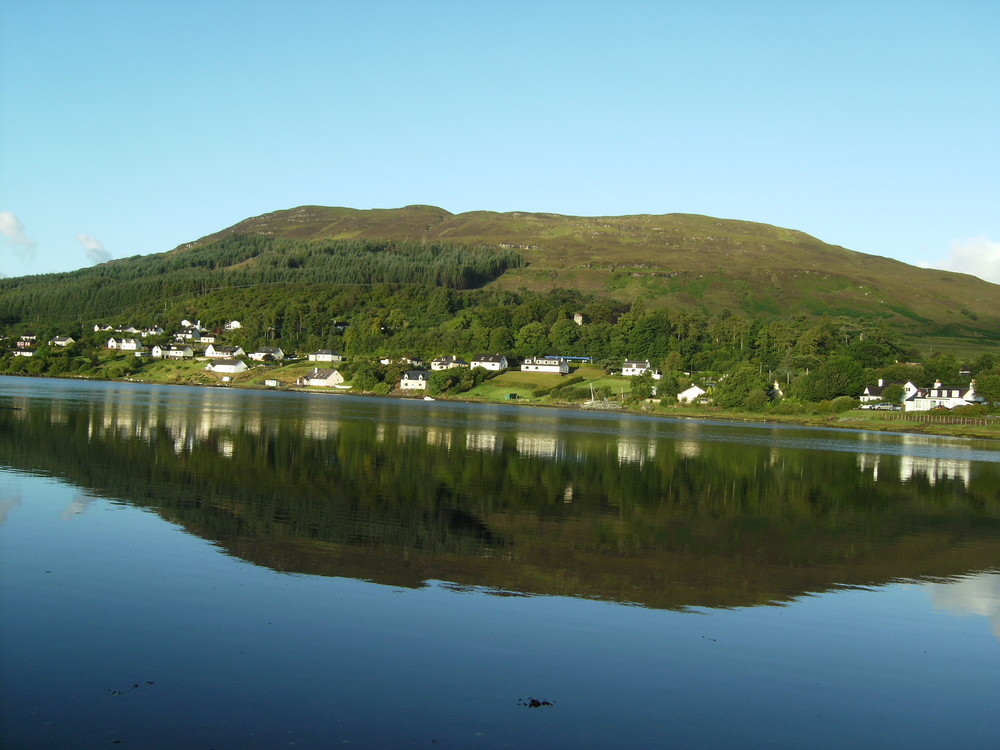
pixel 62 341
pixel 634 367
pixel 152 331
pixel 220 351
pixel 555 365
pixel 415 380
pixel 495 362
pixel 268 354
pixel 230 366
pixel 27 341
pixel 325 355
pixel 188 334
pixel 873 393
pixel 322 378
pixel 690 395
pixel 446 363
pixel 233 325
pixel 125 344
pixel 948 396
pixel 24 352
pixel 173 351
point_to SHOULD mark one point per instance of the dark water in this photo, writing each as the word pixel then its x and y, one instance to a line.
pixel 206 568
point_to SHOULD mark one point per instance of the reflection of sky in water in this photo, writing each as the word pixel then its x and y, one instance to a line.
pixel 971 595
pixel 232 654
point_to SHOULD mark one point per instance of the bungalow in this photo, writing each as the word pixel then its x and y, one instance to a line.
pixel 545 364
pixel 232 325
pixel 321 377
pixel 27 341
pixel 267 353
pixel 207 337
pixel 495 362
pixel 948 396
pixel 62 341
pixel 231 366
pixel 125 344
pixel 173 351
pixel 152 331
pixel 873 393
pixel 401 360
pixel 446 363
pixel 187 334
pixel 690 395
pixel 415 380
pixel 24 352
pixel 219 351
pixel 635 367
pixel 325 355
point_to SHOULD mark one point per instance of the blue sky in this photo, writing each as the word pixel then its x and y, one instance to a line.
pixel 131 127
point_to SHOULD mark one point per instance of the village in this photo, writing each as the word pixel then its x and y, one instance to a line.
pixel 192 341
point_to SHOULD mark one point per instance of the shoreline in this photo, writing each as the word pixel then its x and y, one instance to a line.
pixel 840 421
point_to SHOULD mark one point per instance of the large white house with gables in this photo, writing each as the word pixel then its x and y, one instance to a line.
pixel 495 362
pixel 555 365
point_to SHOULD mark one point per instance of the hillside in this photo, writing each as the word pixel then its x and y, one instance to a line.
pixel 294 272
pixel 679 261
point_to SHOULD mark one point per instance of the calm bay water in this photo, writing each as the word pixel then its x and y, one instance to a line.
pixel 207 568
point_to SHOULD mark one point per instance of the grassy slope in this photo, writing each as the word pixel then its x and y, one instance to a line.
pixel 684 261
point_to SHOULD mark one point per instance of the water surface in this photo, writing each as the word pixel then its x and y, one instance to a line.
pixel 187 568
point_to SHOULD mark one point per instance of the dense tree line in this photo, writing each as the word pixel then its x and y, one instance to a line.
pixel 148 284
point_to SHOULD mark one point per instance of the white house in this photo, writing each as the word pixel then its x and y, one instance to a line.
pixel 62 341
pixel 634 367
pixel 415 380
pixel 495 362
pixel 873 393
pixel 948 396
pixel 173 351
pixel 231 366
pixel 321 377
pixel 125 344
pixel 545 364
pixel 24 352
pixel 220 351
pixel 690 395
pixel 233 325
pixel 151 331
pixel 274 352
pixel 446 363
pixel 325 355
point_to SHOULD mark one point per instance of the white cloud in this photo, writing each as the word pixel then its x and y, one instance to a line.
pixel 95 248
pixel 974 595
pixel 979 256
pixel 13 231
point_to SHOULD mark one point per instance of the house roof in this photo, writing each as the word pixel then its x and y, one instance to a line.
pixel 416 375
pixel 319 374
pixel 488 358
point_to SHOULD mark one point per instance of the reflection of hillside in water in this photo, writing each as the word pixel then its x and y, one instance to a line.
pixel 614 508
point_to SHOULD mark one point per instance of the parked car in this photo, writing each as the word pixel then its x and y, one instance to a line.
pixel 885 406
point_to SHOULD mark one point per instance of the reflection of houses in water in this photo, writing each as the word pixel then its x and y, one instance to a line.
pixel 410 432
pixel 635 450
pixel 225 446
pixel 484 440
pixel 935 469
pixel 868 462
pixel 539 445
pixel 438 437
pixel 320 429
pixel 689 448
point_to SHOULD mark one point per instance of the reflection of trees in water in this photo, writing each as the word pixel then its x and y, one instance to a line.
pixel 620 514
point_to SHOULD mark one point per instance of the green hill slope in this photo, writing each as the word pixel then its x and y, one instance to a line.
pixel 676 261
